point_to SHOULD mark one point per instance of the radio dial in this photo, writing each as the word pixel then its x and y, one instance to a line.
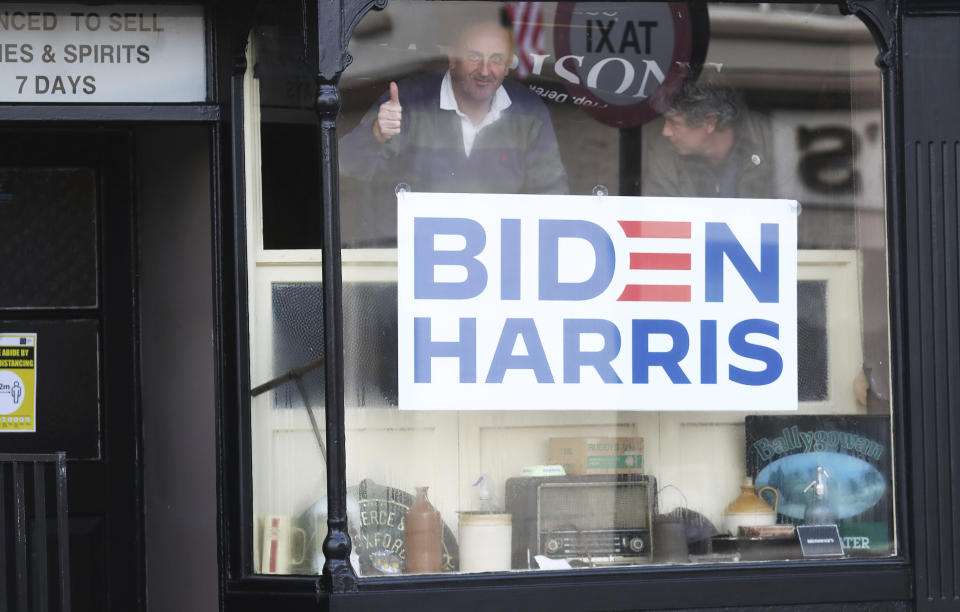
pixel 636 544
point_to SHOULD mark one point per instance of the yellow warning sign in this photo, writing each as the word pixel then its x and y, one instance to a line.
pixel 18 382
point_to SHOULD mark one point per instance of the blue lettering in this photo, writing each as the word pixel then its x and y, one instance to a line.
pixel 510 259
pixel 643 358
pixel 551 231
pixel 425 349
pixel 574 358
pixel 740 346
pixel 426 258
pixel 764 281
pixel 504 359
pixel 708 352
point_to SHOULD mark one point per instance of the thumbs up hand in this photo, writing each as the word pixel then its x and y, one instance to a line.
pixel 389 116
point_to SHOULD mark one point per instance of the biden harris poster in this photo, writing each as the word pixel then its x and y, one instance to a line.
pixel 542 302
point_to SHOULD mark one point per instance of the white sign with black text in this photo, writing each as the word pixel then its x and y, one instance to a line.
pixel 73 53
pixel 537 302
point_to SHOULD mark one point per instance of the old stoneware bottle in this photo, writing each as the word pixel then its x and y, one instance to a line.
pixel 424 536
pixel 749 509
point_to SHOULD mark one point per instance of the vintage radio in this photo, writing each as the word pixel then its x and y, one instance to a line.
pixel 587 520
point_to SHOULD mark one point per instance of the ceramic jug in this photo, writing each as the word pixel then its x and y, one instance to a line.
pixel 749 509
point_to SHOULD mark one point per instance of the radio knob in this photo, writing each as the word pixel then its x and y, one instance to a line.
pixel 553 545
pixel 636 544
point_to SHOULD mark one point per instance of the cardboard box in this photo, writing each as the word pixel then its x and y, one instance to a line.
pixel 581 456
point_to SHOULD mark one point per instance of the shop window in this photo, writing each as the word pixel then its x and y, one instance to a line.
pixel 616 100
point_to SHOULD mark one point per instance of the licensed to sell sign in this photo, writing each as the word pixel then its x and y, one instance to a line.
pixel 72 53
pixel 537 302
pixel 18 382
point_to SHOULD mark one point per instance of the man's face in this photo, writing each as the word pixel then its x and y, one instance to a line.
pixel 685 138
pixel 480 62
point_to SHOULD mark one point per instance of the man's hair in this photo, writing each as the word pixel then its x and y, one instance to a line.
pixel 706 96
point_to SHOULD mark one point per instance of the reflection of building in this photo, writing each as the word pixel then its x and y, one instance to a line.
pixel 810 110
pixel 794 74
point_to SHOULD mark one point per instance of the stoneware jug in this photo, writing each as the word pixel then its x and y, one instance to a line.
pixel 424 536
pixel 749 509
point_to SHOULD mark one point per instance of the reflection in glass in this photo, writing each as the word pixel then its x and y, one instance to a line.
pixel 558 98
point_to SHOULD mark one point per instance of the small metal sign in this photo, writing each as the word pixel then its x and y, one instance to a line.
pixel 820 540
pixel 74 53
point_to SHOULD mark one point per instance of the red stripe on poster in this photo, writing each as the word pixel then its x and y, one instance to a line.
pixel 655 293
pixel 656 229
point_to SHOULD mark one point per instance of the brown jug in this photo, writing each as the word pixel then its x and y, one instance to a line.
pixel 749 509
pixel 424 536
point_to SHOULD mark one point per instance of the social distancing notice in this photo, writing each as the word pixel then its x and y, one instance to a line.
pixel 18 382
pixel 537 302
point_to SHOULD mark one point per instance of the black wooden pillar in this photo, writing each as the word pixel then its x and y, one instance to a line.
pixel 338 576
pixel 233 348
pixel 931 157
pixel 335 22
pixel 921 61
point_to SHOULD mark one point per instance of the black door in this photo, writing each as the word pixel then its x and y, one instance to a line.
pixel 67 270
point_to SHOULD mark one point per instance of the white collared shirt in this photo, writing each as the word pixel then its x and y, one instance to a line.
pixel 448 101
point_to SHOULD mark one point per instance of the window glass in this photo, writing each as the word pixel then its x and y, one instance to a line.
pixel 284 125
pixel 541 433
pixel 60 204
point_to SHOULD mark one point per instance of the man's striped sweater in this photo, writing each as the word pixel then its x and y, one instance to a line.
pixel 516 154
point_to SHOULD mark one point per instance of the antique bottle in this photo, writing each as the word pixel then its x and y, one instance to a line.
pixel 750 509
pixel 424 536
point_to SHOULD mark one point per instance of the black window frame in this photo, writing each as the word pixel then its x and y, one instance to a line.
pixel 918 307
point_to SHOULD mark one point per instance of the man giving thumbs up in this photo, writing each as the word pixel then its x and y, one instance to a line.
pixel 467 130
pixel 388 117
